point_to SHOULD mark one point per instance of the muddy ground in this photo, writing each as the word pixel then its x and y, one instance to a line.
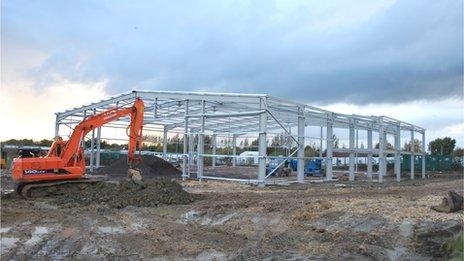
pixel 339 220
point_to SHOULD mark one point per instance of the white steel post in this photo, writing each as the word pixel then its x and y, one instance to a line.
pixel 97 163
pixel 92 148
pixel 412 154
pixel 191 151
pixel 301 140
pixel 262 143
pixel 320 145
pixel 201 143
pixel 288 143
pixel 165 142
pixel 83 138
pixel 356 153
pixel 92 151
pixel 398 154
pixel 369 153
pixel 424 155
pixel 382 159
pixel 185 142
pixel 351 167
pixel 234 150
pixel 214 141
pixel 57 127
pixel 329 145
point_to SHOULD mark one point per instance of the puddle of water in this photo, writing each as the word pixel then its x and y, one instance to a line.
pixel 45 205
pixel 260 220
pixel 224 219
pixel 192 215
pixel 136 225
pixel 37 236
pixel 206 221
pixel 367 225
pixel 6 243
pixel 211 254
pixel 406 228
pixel 111 230
pixel 396 253
pixel 5 230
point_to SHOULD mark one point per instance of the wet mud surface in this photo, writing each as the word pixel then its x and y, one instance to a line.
pixel 230 221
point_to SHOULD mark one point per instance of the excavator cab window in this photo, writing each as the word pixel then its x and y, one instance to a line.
pixel 28 153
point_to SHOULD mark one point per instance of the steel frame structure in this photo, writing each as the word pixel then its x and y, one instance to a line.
pixel 205 113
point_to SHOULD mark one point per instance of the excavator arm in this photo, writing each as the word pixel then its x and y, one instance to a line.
pixel 98 120
pixel 65 159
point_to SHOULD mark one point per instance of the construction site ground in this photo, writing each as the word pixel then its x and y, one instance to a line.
pixel 229 220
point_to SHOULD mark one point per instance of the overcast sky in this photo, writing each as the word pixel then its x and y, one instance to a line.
pixel 397 58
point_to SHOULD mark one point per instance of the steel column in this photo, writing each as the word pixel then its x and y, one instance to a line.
pixel 185 157
pixel 424 155
pixel 301 141
pixel 214 141
pixel 320 141
pixel 83 138
pixel 351 167
pixel 97 163
pixel 412 154
pixel 57 127
pixel 369 154
pixel 262 143
pixel 92 151
pixel 234 150
pixel 356 153
pixel 398 154
pixel 201 144
pixel 165 142
pixel 191 152
pixel 382 156
pixel 329 145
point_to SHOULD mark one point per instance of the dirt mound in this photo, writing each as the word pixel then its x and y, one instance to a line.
pixel 150 165
pixel 125 193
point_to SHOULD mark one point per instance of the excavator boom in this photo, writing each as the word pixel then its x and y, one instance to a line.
pixel 65 159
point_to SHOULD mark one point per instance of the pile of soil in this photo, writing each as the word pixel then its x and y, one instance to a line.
pixel 125 193
pixel 150 165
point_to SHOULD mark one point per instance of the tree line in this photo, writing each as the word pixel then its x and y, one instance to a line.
pixel 441 146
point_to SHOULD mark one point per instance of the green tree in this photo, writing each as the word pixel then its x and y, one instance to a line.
pixel 417 145
pixel 458 152
pixel 335 141
pixel 255 142
pixel 442 146
pixel 388 146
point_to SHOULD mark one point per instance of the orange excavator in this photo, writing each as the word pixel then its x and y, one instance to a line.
pixel 65 162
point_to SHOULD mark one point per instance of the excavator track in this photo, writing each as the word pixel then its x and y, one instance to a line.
pixel 49 188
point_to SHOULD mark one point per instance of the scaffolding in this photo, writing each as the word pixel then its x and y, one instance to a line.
pixel 196 115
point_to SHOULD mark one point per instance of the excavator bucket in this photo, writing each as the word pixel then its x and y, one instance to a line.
pixel 136 176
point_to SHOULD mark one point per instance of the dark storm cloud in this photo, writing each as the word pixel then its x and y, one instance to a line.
pixel 410 50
